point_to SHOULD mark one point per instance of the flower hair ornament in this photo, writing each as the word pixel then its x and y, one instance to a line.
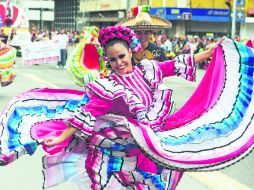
pixel 119 32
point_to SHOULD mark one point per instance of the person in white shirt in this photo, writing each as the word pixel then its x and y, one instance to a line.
pixel 62 39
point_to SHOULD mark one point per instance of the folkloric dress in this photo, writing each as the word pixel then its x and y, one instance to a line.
pixel 126 137
pixel 7 59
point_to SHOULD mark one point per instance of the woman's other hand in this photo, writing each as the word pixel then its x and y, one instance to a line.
pixel 52 141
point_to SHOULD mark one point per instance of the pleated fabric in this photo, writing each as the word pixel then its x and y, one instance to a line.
pixel 213 130
pixel 7 59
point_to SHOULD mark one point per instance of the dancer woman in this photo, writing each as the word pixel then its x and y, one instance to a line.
pixel 120 134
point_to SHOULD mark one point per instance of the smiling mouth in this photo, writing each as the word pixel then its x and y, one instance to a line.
pixel 121 67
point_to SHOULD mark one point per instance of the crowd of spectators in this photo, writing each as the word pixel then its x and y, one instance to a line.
pixel 74 37
pixel 182 44
pixel 179 44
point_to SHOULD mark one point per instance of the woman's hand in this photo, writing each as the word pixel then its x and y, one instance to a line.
pixel 199 57
pixel 52 141
pixel 212 47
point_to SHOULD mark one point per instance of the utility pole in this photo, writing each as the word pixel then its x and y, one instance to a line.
pixel 41 16
pixel 164 3
pixel 128 11
pixel 233 20
pixel 228 3
pixel 75 14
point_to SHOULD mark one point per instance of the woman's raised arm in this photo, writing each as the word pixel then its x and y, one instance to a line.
pixel 199 57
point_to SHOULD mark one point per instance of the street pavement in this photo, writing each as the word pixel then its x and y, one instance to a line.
pixel 26 173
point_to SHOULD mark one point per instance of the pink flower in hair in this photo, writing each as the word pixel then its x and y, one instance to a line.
pixel 112 35
pixel 119 35
pixel 106 39
pixel 127 39
pixel 118 32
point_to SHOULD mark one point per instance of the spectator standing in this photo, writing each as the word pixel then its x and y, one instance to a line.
pixel 62 40
pixel 195 45
pixel 181 44
pixel 3 37
pixel 46 36
pixel 144 25
pixel 167 45
pixel 34 35
pixel 12 37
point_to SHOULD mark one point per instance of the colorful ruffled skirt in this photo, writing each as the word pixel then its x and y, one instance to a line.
pixel 213 130
pixel 7 59
pixel 86 62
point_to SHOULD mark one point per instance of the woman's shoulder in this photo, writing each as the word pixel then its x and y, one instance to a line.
pixel 146 63
pixel 151 71
pixel 105 88
pixel 108 81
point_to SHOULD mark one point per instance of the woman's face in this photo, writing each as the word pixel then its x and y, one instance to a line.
pixel 119 58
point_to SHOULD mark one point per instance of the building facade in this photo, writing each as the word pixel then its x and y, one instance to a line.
pixel 187 16
pixel 40 13
pixel 103 13
pixel 200 17
pixel 66 14
pixel 247 27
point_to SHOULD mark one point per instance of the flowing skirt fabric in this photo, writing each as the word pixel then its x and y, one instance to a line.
pixel 213 130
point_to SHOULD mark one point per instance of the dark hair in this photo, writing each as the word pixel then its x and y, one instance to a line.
pixel 116 41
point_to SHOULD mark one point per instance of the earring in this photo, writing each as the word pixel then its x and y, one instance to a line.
pixel 108 65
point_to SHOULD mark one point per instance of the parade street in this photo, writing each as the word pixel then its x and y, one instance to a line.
pixel 26 172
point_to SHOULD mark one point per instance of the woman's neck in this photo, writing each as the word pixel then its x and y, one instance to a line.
pixel 129 72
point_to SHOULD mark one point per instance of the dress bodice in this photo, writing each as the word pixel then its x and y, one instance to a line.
pixel 137 84
pixel 137 94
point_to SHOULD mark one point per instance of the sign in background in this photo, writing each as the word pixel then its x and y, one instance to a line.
pixel 102 5
pixel 240 10
pixel 219 15
pixel 195 14
pixel 40 52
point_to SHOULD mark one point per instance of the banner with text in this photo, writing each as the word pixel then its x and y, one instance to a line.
pixel 40 52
